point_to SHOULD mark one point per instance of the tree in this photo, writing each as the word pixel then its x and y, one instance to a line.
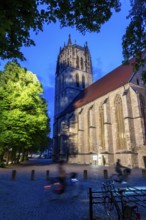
pixel 134 40
pixel 19 17
pixel 24 123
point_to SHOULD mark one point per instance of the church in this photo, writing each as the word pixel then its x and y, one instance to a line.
pixel 98 122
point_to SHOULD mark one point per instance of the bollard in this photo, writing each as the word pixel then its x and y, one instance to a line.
pixel 85 174
pixel 47 174
pixel 144 172
pixel 105 174
pixel 13 175
pixel 32 174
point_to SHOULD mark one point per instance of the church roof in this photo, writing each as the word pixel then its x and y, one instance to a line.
pixel 113 80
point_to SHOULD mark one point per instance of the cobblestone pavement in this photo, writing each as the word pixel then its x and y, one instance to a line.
pixel 26 199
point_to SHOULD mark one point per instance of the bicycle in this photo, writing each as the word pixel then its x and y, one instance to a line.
pixel 109 200
pixel 56 186
pixel 121 178
pixel 117 205
pixel 70 184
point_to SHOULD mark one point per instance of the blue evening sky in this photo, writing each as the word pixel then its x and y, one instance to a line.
pixel 105 49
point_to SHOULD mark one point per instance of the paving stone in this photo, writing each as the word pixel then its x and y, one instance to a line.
pixel 24 199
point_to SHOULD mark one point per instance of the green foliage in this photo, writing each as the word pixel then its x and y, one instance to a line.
pixel 85 15
pixel 2 165
pixel 19 17
pixel 134 40
pixel 24 123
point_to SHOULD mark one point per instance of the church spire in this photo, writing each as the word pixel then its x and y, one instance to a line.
pixel 86 46
pixel 69 40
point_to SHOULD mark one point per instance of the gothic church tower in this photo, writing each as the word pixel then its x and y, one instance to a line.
pixel 73 74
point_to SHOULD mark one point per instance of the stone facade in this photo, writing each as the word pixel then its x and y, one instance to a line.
pixel 105 128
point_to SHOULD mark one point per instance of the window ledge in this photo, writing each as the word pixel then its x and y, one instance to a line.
pixel 125 152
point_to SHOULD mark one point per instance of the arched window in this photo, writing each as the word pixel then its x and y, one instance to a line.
pixel 80 120
pixel 83 81
pixel 81 63
pixel 77 80
pixel 90 128
pixel 77 62
pixel 101 124
pixel 120 127
pixel 142 107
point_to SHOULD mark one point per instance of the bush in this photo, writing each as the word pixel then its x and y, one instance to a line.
pixel 2 165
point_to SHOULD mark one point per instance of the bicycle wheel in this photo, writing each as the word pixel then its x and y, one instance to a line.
pixel 116 178
pixel 108 205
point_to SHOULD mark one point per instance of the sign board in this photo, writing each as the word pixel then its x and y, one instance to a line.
pixel 94 157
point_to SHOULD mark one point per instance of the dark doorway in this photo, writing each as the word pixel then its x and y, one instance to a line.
pixel 144 160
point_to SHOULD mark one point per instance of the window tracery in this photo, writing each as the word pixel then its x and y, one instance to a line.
pixel 120 127
pixel 101 122
pixel 143 114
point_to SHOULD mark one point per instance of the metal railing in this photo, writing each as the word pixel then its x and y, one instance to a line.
pixel 119 203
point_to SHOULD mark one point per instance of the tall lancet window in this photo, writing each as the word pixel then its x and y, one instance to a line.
pixel 77 80
pixel 81 63
pixel 80 121
pixel 83 81
pixel 101 124
pixel 77 62
pixel 120 127
pixel 143 114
